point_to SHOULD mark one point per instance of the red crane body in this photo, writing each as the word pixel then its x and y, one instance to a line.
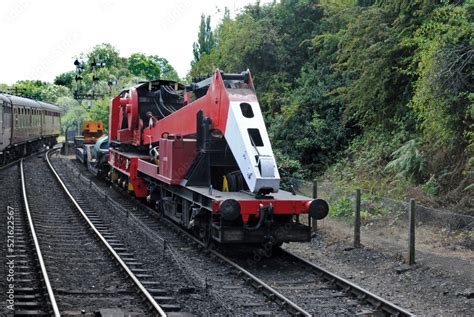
pixel 201 154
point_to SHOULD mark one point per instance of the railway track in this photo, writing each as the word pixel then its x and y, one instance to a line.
pixel 85 269
pixel 26 293
pixel 379 304
pixel 319 291
pixel 230 293
pixel 48 292
pixel 17 161
pixel 316 291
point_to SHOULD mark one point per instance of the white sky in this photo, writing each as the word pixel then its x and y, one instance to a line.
pixel 41 38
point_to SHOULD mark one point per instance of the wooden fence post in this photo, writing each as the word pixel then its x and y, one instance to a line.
pixel 357 220
pixel 315 195
pixel 411 232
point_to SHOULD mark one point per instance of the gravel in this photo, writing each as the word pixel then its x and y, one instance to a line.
pixel 298 282
pixel 82 274
pixel 219 289
pixel 423 289
pixel 9 196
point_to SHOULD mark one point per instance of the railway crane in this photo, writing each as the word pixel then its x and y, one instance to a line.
pixel 201 155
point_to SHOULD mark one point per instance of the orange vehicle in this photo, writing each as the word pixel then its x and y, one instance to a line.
pixel 91 132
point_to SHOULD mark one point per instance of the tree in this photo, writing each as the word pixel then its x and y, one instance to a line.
pixel 151 67
pixel 443 65
pixel 52 92
pixel 205 42
pixel 100 111
pixel 105 53
pixel 167 71
pixel 30 88
pixel 144 66
pixel 66 79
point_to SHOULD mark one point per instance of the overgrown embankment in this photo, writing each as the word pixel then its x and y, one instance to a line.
pixel 376 93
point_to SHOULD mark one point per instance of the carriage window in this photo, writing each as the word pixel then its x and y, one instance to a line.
pixel 6 107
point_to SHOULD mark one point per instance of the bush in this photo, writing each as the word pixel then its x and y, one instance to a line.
pixel 341 208
pixel 407 162
pixel 431 187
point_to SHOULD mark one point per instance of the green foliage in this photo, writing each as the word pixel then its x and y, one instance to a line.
pixel 66 79
pixel 66 102
pixel 407 161
pixel 31 88
pixel 167 71
pixel 206 41
pixel 368 56
pixel 442 64
pixel 341 208
pixel 107 54
pixel 371 208
pixel 73 117
pixel 4 87
pixel 289 167
pixel 431 187
pixel 144 66
pixel 100 111
pixel 52 92
pixel 354 81
pixel 151 67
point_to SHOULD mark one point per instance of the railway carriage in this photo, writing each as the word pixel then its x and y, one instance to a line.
pixel 25 126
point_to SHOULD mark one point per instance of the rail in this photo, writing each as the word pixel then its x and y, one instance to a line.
pixel 361 294
pixel 140 286
pixel 49 289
